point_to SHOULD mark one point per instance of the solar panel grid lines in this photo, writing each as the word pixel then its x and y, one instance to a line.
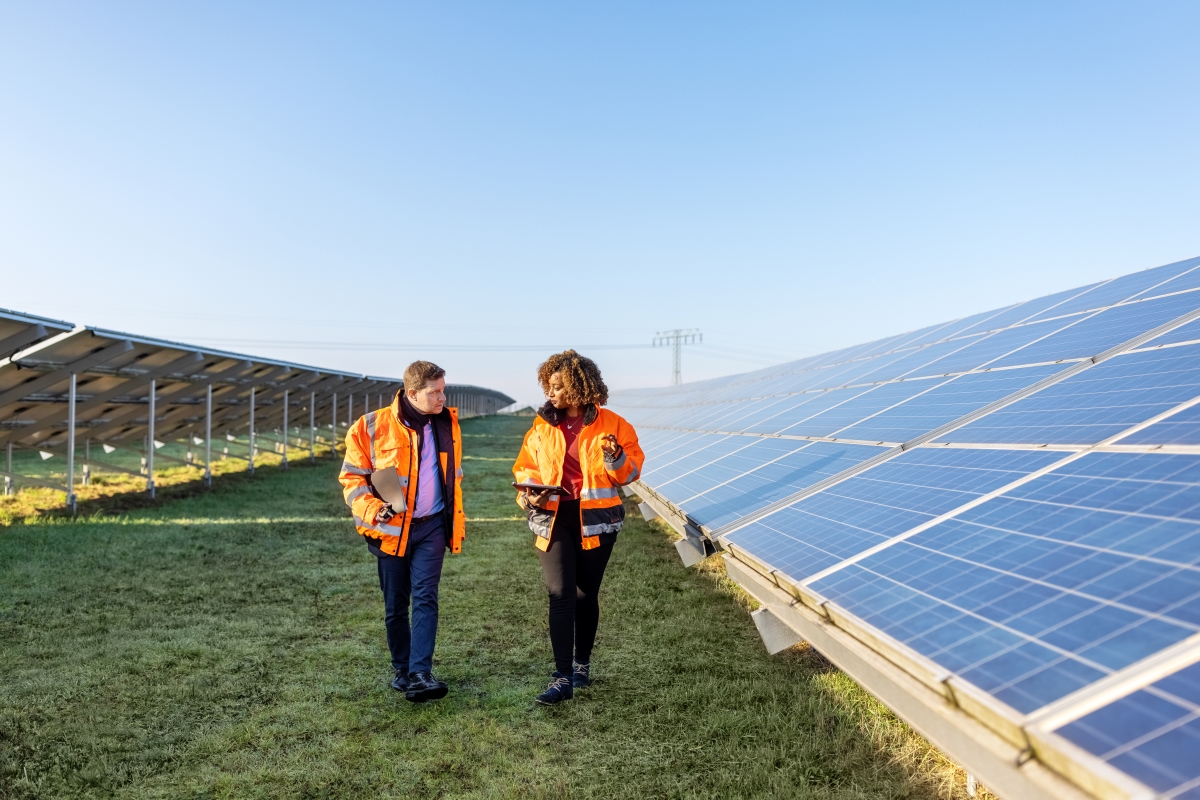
pixel 950 514
pixel 1047 335
pixel 1150 733
pixel 1033 590
pixel 1072 454
pixel 1119 684
pixel 1154 282
pixel 893 452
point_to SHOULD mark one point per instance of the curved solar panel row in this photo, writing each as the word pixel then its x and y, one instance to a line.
pixel 1009 501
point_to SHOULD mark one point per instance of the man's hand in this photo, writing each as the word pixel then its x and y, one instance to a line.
pixel 608 443
pixel 385 515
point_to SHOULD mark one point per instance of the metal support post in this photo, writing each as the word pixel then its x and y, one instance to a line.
pixel 333 441
pixel 349 409
pixel 71 444
pixel 87 461
pixel 251 430
pixel 8 481
pixel 312 427
pixel 208 438
pixel 285 428
pixel 150 446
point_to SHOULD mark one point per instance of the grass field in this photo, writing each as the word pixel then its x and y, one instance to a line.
pixel 230 643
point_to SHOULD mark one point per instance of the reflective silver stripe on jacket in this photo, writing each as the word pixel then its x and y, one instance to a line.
pixel 357 492
pixel 370 418
pixel 458 473
pixel 358 523
pixel 598 494
pixel 633 476
pixel 596 530
pixel 615 465
pixel 349 468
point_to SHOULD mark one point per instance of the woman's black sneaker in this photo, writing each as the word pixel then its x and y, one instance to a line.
pixel 400 682
pixel 579 675
pixel 558 690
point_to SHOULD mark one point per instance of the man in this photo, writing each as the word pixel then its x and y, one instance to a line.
pixel 419 437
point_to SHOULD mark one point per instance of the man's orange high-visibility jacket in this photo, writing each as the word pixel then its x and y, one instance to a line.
pixel 541 461
pixel 381 439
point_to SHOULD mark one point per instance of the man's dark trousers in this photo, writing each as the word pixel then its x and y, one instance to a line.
pixel 417 573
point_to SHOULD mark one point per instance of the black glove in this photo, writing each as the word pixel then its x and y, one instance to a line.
pixel 385 515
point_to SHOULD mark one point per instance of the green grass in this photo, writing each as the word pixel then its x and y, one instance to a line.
pixel 230 644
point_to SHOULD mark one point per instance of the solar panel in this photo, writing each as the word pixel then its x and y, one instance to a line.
pixel 137 394
pixel 993 523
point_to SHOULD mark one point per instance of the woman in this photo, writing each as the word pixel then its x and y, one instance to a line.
pixel 589 451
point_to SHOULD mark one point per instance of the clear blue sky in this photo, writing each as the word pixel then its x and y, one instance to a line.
pixel 293 179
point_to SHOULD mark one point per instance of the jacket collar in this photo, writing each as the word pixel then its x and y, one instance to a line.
pixel 411 417
pixel 555 416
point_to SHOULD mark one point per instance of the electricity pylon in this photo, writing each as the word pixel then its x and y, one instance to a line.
pixel 676 339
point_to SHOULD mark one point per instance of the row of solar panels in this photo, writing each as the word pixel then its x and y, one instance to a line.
pixel 1004 508
pixel 60 383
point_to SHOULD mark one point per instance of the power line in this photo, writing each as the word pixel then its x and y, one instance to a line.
pixel 404 347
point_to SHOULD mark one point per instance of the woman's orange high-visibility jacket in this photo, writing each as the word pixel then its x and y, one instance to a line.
pixel 381 439
pixel 541 461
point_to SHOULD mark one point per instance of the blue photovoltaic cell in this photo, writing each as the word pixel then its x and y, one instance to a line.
pixel 1097 403
pixel 871 370
pixel 1189 332
pixel 1029 311
pixel 988 350
pixel 1092 335
pixel 708 449
pixel 823 529
pixel 718 416
pixel 803 407
pixel 1152 735
pixel 1127 287
pixel 1036 593
pixel 999 319
pixel 856 406
pixel 1181 428
pixel 774 481
pixel 730 417
pixel 760 451
pixel 944 404
pixel 936 333
pixel 754 453
pixel 915 362
pixel 685 446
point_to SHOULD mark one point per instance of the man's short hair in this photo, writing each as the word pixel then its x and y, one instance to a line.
pixel 420 374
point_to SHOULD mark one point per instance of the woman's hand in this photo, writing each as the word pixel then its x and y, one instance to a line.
pixel 608 443
pixel 531 499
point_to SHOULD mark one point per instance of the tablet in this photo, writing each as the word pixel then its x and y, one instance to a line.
pixel 536 487
pixel 387 483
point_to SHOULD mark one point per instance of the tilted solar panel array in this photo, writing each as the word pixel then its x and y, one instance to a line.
pixel 1006 506
pixel 62 386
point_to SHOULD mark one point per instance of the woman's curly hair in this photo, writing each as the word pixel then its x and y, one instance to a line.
pixel 580 377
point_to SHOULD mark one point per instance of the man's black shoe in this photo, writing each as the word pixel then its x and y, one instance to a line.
pixel 400 682
pixel 558 690
pixel 423 686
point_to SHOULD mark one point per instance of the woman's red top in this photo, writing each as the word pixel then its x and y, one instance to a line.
pixel 572 479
